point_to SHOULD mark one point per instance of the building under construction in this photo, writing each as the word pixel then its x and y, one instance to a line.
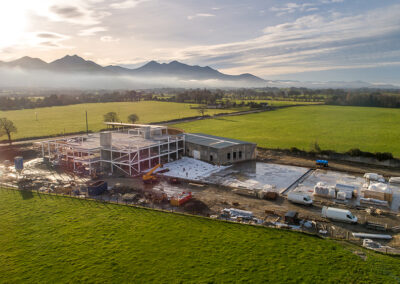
pixel 129 149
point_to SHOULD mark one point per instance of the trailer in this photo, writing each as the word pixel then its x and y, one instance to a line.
pixel 97 187
pixel 376 226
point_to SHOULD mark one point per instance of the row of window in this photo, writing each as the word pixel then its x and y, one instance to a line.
pixel 228 155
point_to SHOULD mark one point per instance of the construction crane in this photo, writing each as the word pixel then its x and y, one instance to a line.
pixel 149 177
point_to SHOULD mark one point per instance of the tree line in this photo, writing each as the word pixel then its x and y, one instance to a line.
pixel 375 99
pixel 226 98
pixel 17 102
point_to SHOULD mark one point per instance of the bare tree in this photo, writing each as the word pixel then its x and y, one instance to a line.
pixel 202 110
pixel 7 127
pixel 132 118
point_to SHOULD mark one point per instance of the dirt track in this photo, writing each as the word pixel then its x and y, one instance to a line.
pixel 282 157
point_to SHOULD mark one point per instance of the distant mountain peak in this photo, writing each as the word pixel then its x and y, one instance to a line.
pixel 70 59
pixel 28 63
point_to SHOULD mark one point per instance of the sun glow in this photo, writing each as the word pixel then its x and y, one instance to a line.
pixel 12 23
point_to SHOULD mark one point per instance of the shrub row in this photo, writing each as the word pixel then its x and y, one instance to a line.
pixel 380 156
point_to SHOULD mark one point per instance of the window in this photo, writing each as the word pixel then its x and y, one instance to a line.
pixel 234 155
pixel 211 158
pixel 240 154
pixel 228 156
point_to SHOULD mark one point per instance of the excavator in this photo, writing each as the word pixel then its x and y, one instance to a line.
pixel 149 177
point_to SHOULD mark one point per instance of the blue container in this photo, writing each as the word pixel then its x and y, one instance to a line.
pixel 322 163
pixel 19 163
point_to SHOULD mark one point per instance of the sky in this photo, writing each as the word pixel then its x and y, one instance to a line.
pixel 321 40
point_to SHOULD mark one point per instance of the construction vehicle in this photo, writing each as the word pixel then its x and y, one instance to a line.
pixel 149 177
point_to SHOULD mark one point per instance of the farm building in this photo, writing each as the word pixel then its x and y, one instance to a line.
pixel 130 150
pixel 218 150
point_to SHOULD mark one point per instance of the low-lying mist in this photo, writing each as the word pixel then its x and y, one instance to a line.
pixel 20 78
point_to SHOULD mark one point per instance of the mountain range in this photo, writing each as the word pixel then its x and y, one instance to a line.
pixel 76 72
pixel 174 69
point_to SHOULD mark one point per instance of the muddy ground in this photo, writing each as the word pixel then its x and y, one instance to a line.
pixel 284 158
pixel 210 200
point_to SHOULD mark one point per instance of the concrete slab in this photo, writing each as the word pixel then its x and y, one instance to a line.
pixel 257 175
pixel 191 169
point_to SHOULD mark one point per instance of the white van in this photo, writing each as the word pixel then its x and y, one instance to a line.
pixel 299 198
pixel 337 214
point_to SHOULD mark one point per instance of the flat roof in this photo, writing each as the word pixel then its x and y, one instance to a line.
pixel 135 125
pixel 213 141
pixel 120 141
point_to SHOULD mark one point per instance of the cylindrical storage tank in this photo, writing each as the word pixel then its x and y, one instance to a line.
pixel 19 163
pixel 106 139
pixel 146 132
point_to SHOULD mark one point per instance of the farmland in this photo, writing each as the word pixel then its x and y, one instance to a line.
pixel 58 239
pixel 69 119
pixel 332 127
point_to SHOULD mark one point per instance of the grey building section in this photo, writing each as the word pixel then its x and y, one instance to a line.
pixel 218 150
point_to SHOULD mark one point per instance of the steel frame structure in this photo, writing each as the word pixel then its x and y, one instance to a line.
pixel 133 159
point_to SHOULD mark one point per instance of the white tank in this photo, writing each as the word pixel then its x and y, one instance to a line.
pixel 146 132
pixel 106 139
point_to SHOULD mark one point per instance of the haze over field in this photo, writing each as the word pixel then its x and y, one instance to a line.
pixel 312 41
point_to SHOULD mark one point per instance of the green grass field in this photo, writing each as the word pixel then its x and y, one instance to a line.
pixel 49 239
pixel 56 120
pixel 333 127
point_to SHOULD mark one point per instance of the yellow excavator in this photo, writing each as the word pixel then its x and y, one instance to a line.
pixel 149 177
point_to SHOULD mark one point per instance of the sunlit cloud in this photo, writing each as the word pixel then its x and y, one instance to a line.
pixel 92 31
pixel 200 15
pixel 109 39
pixel 126 4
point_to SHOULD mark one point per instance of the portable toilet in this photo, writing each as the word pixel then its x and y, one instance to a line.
pixel 19 163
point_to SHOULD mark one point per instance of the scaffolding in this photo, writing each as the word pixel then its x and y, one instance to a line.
pixel 127 151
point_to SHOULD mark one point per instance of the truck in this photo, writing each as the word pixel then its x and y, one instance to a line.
pixel 296 197
pixel 338 214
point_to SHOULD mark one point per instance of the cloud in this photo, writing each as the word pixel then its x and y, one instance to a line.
pixel 49 35
pixel 109 39
pixel 200 15
pixel 66 11
pixel 290 8
pixel 47 39
pixel 126 4
pixel 312 42
pixel 84 13
pixel 92 31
